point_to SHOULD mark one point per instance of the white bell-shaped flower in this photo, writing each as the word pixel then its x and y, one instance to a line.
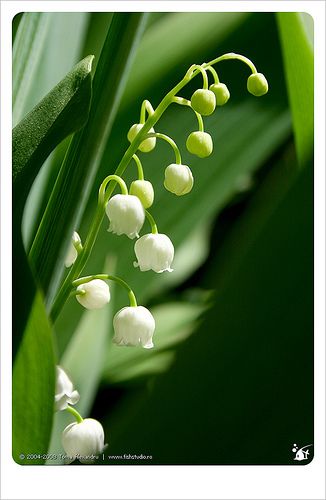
pixel 64 391
pixel 126 215
pixel 134 326
pixel 72 253
pixel 178 179
pixel 83 441
pixel 96 294
pixel 154 252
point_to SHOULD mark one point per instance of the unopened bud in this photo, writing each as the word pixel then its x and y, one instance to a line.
pixel 203 101
pixel 200 144
pixel 221 92
pixel 257 84
pixel 144 191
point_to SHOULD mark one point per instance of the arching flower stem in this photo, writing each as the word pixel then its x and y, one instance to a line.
pixel 146 106
pixel 75 413
pixel 101 194
pixel 201 70
pixel 121 282
pixel 139 167
pixel 152 222
pixel 185 102
pixel 214 73
pixel 169 141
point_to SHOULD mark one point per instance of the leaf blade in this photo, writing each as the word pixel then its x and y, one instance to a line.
pixel 299 70
pixel 27 51
pixel 33 388
pixel 62 111
pixel 79 168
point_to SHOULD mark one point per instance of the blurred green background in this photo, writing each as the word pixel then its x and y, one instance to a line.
pixel 230 380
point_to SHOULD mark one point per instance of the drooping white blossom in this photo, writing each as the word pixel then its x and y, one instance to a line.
pixel 96 294
pixel 154 252
pixel 64 390
pixel 134 326
pixel 83 441
pixel 72 253
pixel 126 215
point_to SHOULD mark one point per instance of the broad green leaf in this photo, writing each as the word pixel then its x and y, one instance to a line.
pixel 27 51
pixel 299 69
pixel 61 112
pixel 241 387
pixel 64 47
pixel 74 182
pixel 61 51
pixel 33 388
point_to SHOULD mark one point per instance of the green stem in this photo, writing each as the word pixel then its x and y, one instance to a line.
pixel 121 282
pixel 186 102
pixel 78 246
pixel 73 293
pixel 146 106
pixel 109 178
pixel 169 141
pixel 139 167
pixel 203 72
pixel 232 55
pixel 75 413
pixel 152 222
pixel 214 73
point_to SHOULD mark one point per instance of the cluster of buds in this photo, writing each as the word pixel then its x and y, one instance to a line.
pixel 127 211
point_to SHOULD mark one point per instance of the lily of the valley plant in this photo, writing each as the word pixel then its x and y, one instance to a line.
pixel 127 211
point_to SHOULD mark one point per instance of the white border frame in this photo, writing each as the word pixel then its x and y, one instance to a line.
pixel 195 482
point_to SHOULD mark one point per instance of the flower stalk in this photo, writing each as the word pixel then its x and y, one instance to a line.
pixel 153 116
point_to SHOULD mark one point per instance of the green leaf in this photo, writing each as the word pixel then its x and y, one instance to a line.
pixel 299 69
pixel 61 112
pixel 76 176
pixel 27 51
pixel 33 388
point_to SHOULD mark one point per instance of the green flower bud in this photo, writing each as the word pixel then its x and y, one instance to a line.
pixel 200 144
pixel 257 84
pixel 144 191
pixel 222 94
pixel 203 101
pixel 178 179
pixel 148 144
